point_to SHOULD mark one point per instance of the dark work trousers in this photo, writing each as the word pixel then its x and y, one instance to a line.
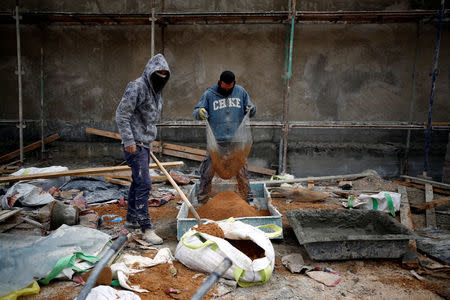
pixel 140 188
pixel 207 174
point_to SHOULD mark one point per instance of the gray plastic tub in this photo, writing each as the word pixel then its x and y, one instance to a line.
pixel 349 234
pixel 261 199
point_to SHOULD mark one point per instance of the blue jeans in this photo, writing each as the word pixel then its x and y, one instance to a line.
pixel 140 188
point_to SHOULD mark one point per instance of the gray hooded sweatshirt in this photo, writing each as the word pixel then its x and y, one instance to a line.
pixel 140 107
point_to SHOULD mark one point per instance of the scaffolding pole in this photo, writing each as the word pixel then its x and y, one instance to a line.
pixel 42 105
pixel 288 75
pixel 433 86
pixel 404 171
pixel 153 28
pixel 19 78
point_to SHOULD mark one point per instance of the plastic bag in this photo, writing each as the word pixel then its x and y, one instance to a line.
pixel 229 157
pixel 25 194
pixel 203 252
pixel 103 292
pixel 383 201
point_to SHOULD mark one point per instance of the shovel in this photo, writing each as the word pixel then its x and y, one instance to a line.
pixel 175 185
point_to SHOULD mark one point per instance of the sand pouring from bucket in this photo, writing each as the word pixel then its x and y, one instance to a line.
pixel 229 157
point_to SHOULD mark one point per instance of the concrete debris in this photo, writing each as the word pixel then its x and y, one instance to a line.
pixel 435 243
pixel 328 278
pixel 294 262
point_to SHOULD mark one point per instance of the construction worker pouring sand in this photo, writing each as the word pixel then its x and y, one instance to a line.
pixel 225 106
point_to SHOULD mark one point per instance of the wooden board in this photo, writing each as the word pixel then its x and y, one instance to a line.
pixel 423 181
pixel 421 187
pixel 30 147
pixel 184 149
pixel 429 213
pixel 77 172
pixel 118 181
pixel 435 203
pixel 410 259
pixel 405 211
pixel 183 154
pixel 104 133
pixel 177 150
pixel 5 214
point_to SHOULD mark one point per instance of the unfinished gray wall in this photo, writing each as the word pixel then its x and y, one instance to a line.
pixel 143 6
pixel 341 72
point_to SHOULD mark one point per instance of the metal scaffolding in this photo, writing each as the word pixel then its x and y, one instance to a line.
pixel 289 18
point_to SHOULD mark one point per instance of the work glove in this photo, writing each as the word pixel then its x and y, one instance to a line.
pixel 203 114
pixel 251 109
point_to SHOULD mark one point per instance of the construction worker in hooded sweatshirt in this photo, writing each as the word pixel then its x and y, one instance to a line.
pixel 136 117
pixel 224 105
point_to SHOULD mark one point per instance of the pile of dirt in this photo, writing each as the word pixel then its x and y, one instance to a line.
pixel 111 209
pixel 227 204
pixel 211 229
pixel 104 278
pixel 227 166
pixel 158 279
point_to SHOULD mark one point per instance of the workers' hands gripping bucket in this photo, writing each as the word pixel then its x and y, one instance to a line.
pixel 229 157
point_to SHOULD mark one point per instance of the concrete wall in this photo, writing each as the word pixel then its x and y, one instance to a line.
pixel 143 6
pixel 341 72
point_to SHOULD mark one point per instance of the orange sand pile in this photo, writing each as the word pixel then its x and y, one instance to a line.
pixel 211 229
pixel 228 204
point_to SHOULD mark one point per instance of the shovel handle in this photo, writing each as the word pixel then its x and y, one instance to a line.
pixel 180 192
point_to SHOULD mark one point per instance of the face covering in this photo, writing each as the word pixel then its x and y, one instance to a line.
pixel 158 82
pixel 224 92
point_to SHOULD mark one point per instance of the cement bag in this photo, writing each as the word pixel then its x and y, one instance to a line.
pixel 383 201
pixel 203 252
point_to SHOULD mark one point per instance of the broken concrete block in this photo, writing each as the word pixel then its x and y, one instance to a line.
pixel 294 262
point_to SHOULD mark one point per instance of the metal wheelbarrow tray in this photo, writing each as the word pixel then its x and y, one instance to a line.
pixel 261 198
pixel 349 234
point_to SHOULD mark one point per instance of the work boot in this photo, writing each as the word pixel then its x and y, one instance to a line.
pixel 151 237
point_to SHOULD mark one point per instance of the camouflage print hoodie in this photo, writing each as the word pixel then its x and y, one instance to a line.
pixel 141 104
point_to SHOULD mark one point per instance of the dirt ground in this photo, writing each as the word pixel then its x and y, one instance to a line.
pixel 361 279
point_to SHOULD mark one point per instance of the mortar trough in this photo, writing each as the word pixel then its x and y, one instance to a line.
pixel 349 234
pixel 261 199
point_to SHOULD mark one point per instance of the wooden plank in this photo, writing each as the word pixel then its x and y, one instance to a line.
pixel 30 147
pixel 6 227
pixel 182 154
pixel 6 171
pixel 104 133
pixel 423 181
pixel 184 149
pixel 262 170
pixel 32 222
pixel 405 211
pixel 118 181
pixel 421 187
pixel 77 172
pixel 5 214
pixel 429 213
pixel 409 260
pixel 177 150
pixel 435 203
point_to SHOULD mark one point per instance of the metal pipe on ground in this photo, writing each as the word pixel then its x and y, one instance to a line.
pixel 212 279
pixel 336 177
pixel 100 265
